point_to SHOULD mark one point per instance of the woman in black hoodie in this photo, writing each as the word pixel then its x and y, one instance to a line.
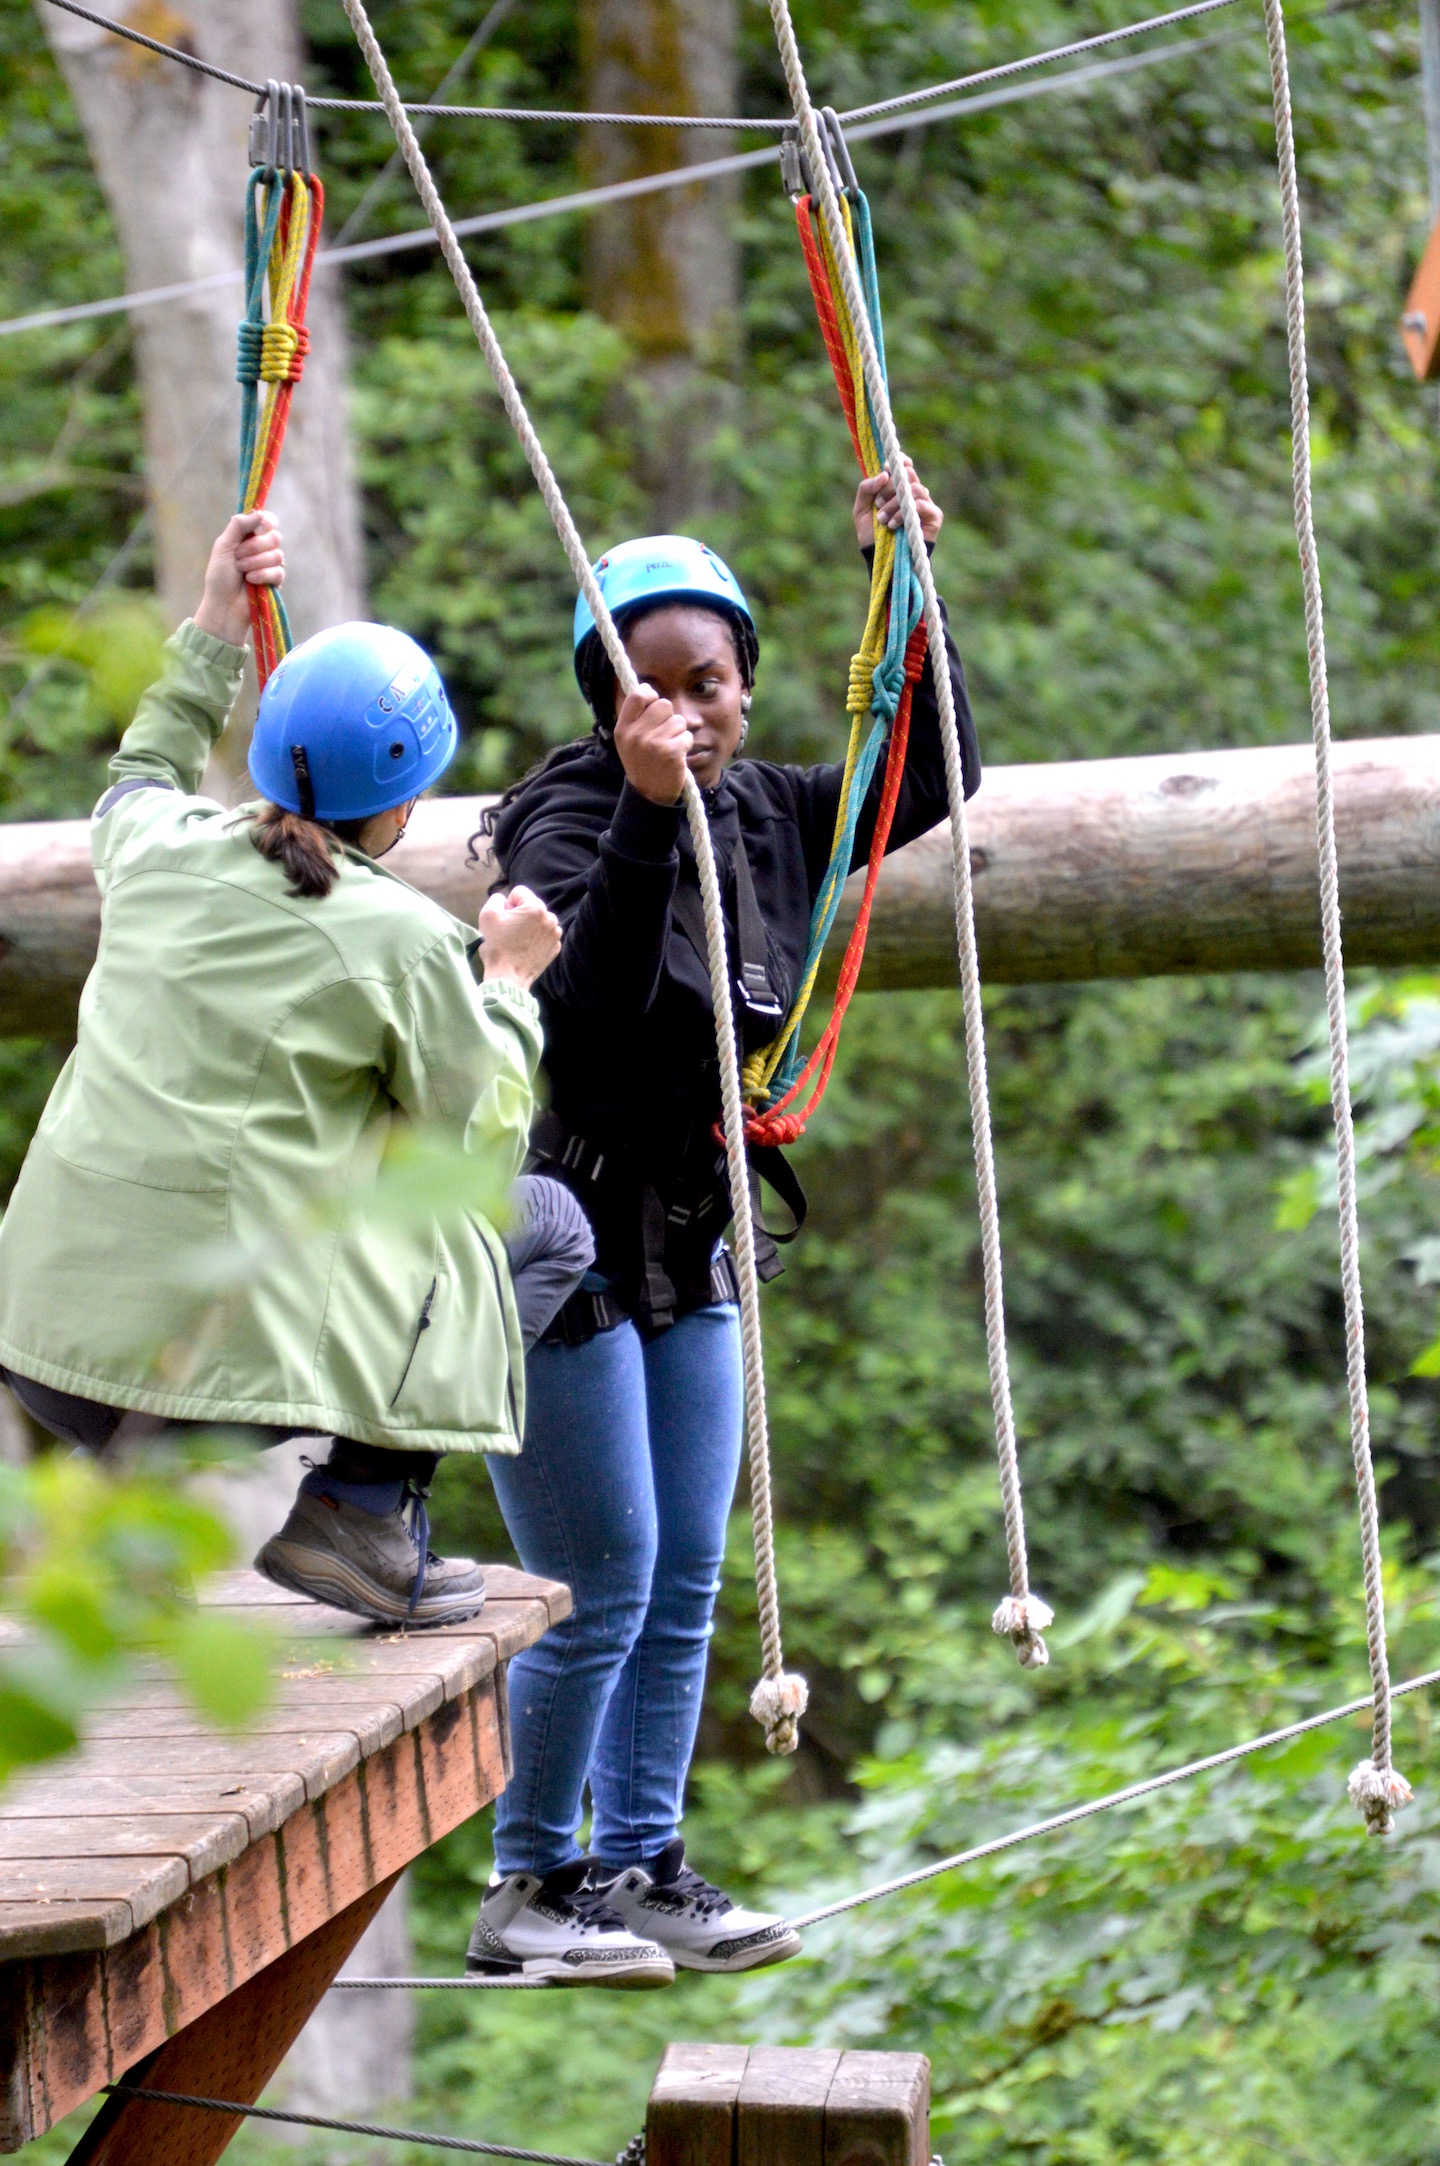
pixel 634 1420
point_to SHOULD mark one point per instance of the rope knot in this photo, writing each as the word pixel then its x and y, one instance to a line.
pixel 1021 1618
pixel 777 1703
pixel 1378 1793
pixel 248 336
pixel 857 696
pixel 281 353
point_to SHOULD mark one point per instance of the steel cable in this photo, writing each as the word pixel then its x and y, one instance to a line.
pixel 427 2137
pixel 574 117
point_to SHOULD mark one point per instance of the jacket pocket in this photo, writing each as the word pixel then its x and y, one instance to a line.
pixel 422 1325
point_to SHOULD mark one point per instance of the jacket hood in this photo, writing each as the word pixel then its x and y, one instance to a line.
pixel 577 787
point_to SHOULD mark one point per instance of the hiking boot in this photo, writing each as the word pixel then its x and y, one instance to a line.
pixel 559 1929
pixel 369 1561
pixel 695 1923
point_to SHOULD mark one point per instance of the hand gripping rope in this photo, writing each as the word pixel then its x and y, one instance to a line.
pixel 883 676
pixel 1376 1788
pixel 284 207
pixel 1021 1616
pixel 779 1699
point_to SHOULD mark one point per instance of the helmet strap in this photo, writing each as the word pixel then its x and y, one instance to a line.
pixel 301 764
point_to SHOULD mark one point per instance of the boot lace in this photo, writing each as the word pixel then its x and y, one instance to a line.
pixel 412 1502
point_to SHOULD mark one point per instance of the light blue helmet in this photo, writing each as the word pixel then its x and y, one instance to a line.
pixel 661 568
pixel 352 722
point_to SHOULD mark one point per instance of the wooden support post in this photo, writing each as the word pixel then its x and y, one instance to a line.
pixel 231 2051
pixel 788 2106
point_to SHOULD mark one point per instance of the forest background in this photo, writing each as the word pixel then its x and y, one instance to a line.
pixel 1085 322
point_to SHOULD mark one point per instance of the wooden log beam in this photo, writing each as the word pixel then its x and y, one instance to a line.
pixel 1083 869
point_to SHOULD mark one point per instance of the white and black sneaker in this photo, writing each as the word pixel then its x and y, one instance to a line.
pixel 561 1930
pixel 695 1923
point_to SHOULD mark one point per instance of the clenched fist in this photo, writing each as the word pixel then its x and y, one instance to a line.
pixel 521 937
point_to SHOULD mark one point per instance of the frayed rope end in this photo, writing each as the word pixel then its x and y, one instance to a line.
pixel 1378 1793
pixel 1021 1619
pixel 777 1703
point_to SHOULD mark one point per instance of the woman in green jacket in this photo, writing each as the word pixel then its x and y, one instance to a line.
pixel 195 1233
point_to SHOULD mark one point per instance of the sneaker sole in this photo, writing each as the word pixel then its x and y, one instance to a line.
pixel 330 1580
pixel 774 1951
pixel 619 1976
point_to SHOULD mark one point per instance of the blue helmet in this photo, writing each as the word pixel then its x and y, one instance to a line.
pixel 352 722
pixel 662 568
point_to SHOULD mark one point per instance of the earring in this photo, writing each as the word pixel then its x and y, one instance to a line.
pixel 746 701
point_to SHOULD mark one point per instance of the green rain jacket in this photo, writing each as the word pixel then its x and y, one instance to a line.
pixel 189 1235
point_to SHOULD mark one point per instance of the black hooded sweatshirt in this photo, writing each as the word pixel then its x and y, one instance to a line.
pixel 629 1027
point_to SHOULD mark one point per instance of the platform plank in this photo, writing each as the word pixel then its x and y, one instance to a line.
pixel 148 1876
pixel 206 1844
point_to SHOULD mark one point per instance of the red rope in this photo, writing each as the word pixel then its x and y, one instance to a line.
pixel 829 322
pixel 778 1124
pixel 264 615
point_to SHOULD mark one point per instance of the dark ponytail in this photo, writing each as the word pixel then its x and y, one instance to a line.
pixel 306 850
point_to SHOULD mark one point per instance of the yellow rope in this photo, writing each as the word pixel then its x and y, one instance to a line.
pixel 279 339
pixel 762 1065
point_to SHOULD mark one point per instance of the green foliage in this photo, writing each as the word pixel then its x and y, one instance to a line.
pixel 99 1570
pixel 1085 322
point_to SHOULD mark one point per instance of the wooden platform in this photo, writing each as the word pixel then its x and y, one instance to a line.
pixel 176 1901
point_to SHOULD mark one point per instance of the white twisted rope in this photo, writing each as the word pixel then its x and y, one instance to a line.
pixel 778 1700
pixel 1022 1616
pixel 1375 1787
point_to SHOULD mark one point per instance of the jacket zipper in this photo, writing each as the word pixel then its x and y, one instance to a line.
pixel 509 1365
pixel 423 1325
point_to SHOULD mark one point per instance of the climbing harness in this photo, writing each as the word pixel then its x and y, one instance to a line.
pixel 1022 1616
pixel 284 208
pixel 1376 1787
pixel 779 1698
pixel 883 674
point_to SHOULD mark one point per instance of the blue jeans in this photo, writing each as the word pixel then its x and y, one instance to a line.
pixel 623 1490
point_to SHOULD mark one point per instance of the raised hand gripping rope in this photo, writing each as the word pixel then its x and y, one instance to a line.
pixel 284 208
pixel 779 1699
pixel 883 676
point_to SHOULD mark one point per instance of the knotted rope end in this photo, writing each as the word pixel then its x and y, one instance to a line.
pixel 1378 1793
pixel 777 1703
pixel 1021 1618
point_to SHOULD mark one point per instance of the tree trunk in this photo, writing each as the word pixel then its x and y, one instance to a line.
pixel 169 149
pixel 1192 861
pixel 665 269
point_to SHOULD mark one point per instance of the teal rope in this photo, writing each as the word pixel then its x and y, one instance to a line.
pixel 888 680
pixel 251 330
